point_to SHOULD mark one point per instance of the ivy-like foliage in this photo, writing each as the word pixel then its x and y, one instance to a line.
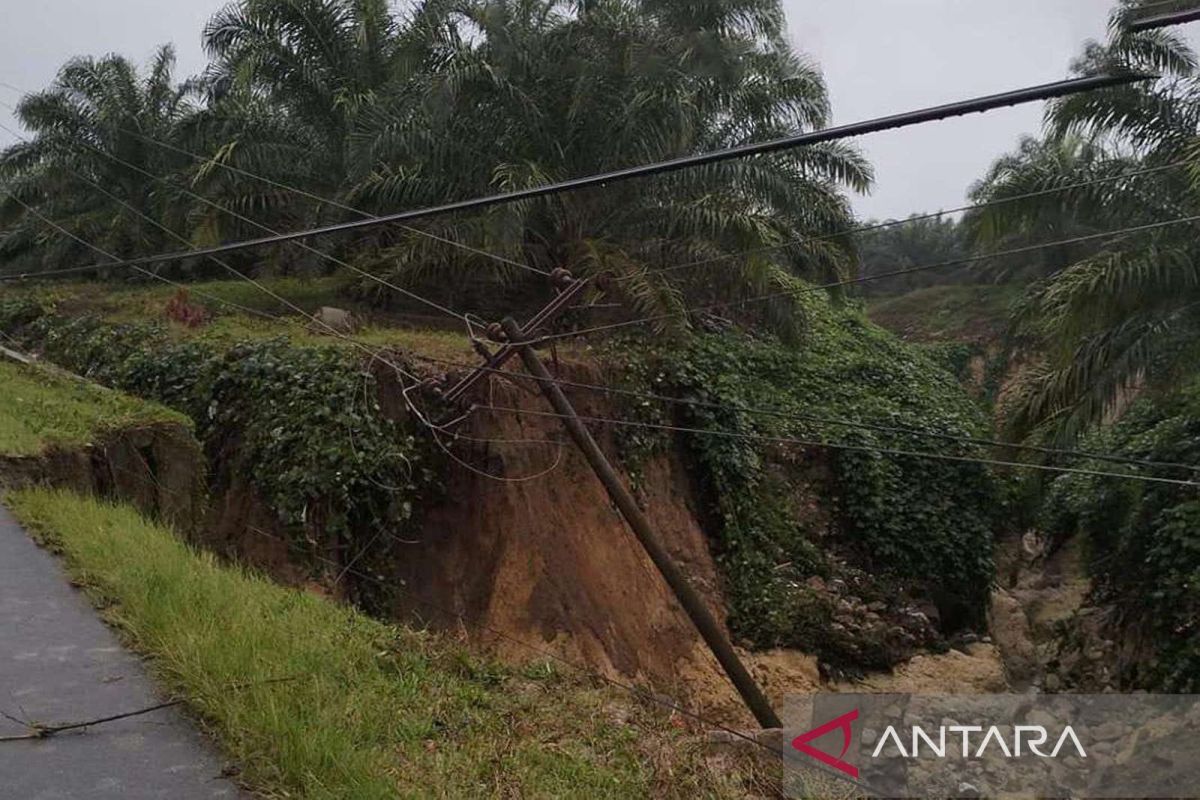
pixel 1144 538
pixel 906 521
pixel 301 422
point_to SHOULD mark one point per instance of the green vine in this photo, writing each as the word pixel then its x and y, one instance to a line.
pixel 1143 538
pixel 302 421
pixel 789 513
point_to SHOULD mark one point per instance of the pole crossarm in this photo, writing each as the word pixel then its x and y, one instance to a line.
pixel 560 303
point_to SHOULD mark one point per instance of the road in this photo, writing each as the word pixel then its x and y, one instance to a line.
pixel 59 663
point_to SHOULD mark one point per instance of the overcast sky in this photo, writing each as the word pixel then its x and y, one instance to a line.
pixel 879 57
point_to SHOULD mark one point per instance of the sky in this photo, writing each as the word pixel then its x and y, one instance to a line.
pixel 879 57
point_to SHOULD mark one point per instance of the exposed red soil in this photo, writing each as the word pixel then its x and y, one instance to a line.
pixel 549 561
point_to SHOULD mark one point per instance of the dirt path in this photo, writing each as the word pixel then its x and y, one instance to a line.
pixel 59 664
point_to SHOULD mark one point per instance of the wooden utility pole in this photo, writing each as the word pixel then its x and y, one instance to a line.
pixel 688 597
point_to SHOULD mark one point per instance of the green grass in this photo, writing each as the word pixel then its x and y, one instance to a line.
pixel 230 328
pixel 375 710
pixel 974 313
pixel 147 303
pixel 124 301
pixel 43 410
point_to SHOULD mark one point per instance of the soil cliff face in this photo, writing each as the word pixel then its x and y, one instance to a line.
pixel 158 468
pixel 526 542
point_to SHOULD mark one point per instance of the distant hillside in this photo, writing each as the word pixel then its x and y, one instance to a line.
pixel 973 314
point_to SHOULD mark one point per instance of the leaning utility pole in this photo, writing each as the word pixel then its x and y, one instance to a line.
pixel 688 597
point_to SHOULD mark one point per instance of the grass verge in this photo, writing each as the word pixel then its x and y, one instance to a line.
pixel 376 711
pixel 44 410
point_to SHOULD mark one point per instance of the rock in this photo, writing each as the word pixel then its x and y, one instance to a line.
pixel 967 790
pixel 771 738
pixel 1052 683
pixel 729 743
pixel 1032 545
pixel 337 319
pixel 1009 627
pixel 1044 718
pixel 1108 731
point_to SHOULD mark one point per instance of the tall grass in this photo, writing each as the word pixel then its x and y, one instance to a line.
pixel 40 410
pixel 374 711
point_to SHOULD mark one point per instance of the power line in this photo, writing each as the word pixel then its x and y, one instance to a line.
pixel 849 447
pixel 593 387
pixel 866 278
pixel 374 353
pixel 237 215
pixel 1164 20
pixel 923 217
pixel 703 262
pixel 979 105
pixel 304 193
pixel 839 422
pixel 614 390
pixel 51 223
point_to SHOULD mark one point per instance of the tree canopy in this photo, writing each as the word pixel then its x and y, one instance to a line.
pixel 367 108
pixel 1114 314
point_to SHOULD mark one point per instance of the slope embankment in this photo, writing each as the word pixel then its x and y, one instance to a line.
pixel 59 431
pixel 820 561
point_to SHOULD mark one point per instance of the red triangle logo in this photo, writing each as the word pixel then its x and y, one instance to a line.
pixel 844 723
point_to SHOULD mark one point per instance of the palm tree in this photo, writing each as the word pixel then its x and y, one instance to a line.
pixel 1069 186
pixel 287 82
pixel 515 94
pixel 1122 313
pixel 85 133
pixel 919 241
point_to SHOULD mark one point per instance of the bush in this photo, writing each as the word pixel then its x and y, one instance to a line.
pixel 303 421
pixel 921 522
pixel 1143 538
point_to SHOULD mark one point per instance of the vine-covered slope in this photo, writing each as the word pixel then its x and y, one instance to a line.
pixel 838 549
pixel 1143 540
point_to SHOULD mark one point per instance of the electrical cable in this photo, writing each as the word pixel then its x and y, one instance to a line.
pixel 222 263
pixel 920 217
pixel 977 105
pixel 849 447
pixel 824 420
pixel 863 279
pixel 198 252
pixel 296 190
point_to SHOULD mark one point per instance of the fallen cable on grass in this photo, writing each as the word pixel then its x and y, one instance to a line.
pixel 39 731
